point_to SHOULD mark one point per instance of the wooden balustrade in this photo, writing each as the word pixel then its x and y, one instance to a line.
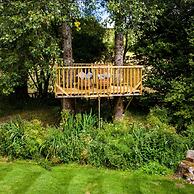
pixel 83 80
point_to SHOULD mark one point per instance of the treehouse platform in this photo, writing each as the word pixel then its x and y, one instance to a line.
pixel 92 80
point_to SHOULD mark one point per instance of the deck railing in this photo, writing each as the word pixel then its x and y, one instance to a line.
pixel 98 80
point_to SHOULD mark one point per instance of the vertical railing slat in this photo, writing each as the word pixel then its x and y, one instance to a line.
pixel 128 85
pixel 113 80
pixel 81 82
pixel 124 80
pixel 131 80
pixel 71 81
pixel 118 80
pixel 104 80
pixel 121 80
pixel 137 82
pixel 141 80
pixel 97 83
pixel 66 77
pixel 98 80
pixel 89 81
pixel 59 78
pixel 134 84
pixel 94 78
pixel 85 83
pixel 78 80
pixel 74 81
pixel 109 80
pixel 63 78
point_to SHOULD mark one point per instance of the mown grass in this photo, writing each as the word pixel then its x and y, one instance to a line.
pixel 23 177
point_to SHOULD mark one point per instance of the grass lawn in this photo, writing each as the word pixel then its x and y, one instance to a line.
pixel 23 177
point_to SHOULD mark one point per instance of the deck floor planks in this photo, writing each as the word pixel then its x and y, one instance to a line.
pixel 91 91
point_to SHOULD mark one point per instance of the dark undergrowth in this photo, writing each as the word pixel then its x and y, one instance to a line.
pixel 45 110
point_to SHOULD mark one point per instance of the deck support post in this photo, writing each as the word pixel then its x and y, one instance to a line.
pixel 128 104
pixel 99 120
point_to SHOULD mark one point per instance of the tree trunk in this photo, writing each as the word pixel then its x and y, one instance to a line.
pixel 46 85
pixel 119 48
pixel 119 51
pixel 118 108
pixel 68 104
pixel 125 47
pixel 67 44
pixel 21 91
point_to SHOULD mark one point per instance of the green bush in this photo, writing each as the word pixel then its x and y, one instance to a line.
pixel 159 118
pixel 21 139
pixel 117 146
pixel 69 142
pixel 159 145
pixel 154 168
pixel 189 133
pixel 110 147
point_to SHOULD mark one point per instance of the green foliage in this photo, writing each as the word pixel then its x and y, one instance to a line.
pixel 81 122
pixel 21 139
pixel 180 100
pixel 190 135
pixel 154 168
pixel 91 32
pixel 30 41
pixel 110 147
pixel 181 96
pixel 116 146
pixel 159 118
pixel 167 50
pixel 69 142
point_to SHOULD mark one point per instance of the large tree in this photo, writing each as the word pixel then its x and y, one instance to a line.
pixel 28 44
pixel 68 104
pixel 168 50
pixel 126 16
pixel 31 42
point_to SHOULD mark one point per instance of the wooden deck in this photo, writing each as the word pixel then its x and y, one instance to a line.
pixel 98 81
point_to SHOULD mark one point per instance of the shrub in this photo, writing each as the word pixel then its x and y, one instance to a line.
pixel 69 143
pixel 159 118
pixel 11 138
pixel 189 133
pixel 53 145
pixel 158 145
pixel 21 139
pixel 118 148
pixel 78 122
pixel 78 140
pixel 154 168
pixel 111 146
